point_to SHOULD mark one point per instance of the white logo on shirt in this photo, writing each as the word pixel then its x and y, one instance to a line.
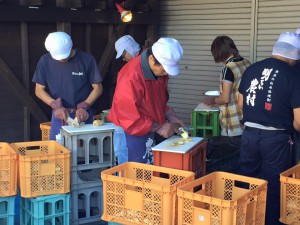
pixel 256 86
pixel 77 74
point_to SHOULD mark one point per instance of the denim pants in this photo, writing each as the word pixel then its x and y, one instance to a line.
pixel 120 146
pixel 265 154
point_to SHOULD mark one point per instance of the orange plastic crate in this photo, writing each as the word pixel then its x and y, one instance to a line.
pixel 193 160
pixel 136 193
pixel 222 198
pixel 44 168
pixel 45 129
pixel 8 170
pixel 290 196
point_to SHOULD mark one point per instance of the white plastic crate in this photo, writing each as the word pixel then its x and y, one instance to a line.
pixel 92 150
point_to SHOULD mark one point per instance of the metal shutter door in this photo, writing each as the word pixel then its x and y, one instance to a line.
pixel 196 23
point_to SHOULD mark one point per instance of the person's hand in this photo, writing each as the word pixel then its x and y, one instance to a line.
pixel 166 130
pixel 209 100
pixel 155 126
pixel 60 112
pixel 175 127
pixel 81 113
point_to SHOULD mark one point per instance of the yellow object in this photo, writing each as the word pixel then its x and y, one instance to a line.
pixel 44 168
pixel 98 123
pixel 222 198
pixel 8 170
pixel 185 135
pixel 290 195
pixel 45 129
pixel 137 193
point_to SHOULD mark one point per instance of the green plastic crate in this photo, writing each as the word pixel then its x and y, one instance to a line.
pixel 205 124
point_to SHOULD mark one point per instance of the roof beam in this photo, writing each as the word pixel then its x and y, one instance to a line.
pixel 21 93
pixel 67 15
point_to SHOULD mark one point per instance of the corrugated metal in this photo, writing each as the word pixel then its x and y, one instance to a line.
pixel 196 23
pixel 273 18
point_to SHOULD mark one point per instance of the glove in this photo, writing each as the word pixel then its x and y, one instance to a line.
pixel 60 112
pixel 175 127
pixel 210 100
pixel 81 113
pixel 166 130
pixel 172 118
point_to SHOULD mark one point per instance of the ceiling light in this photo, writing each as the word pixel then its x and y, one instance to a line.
pixel 126 16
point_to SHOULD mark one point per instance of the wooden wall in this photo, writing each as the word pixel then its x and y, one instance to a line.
pixel 94 25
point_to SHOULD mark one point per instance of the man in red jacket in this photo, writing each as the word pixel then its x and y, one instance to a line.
pixel 140 101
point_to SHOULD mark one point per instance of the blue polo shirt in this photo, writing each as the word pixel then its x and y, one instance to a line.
pixel 71 81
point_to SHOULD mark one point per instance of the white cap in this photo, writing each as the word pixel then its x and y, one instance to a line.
pixel 288 46
pixel 298 30
pixel 59 44
pixel 168 53
pixel 127 43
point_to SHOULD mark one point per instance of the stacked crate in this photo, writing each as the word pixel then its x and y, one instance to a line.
pixel 8 183
pixel 222 198
pixel 137 193
pixel 45 130
pixel 290 196
pixel 92 153
pixel 44 182
pixel 44 210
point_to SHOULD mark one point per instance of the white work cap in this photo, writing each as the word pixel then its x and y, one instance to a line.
pixel 288 46
pixel 127 43
pixel 59 44
pixel 168 53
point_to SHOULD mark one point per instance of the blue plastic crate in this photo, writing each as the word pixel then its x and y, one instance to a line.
pixel 7 210
pixel 46 210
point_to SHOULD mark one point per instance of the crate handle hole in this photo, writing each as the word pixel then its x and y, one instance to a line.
pixel 241 184
pixel 33 147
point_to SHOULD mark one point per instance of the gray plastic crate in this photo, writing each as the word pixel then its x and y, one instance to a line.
pixel 92 152
pixel 85 179
pixel 86 204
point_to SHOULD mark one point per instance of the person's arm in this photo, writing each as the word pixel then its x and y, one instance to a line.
pixel 296 122
pixel 172 118
pixel 224 98
pixel 56 104
pixel 240 101
pixel 83 107
pixel 96 93
pixel 40 92
pixel 227 83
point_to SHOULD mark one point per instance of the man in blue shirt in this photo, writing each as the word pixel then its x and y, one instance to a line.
pixel 68 80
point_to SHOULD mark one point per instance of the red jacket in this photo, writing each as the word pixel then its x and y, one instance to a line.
pixel 139 99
